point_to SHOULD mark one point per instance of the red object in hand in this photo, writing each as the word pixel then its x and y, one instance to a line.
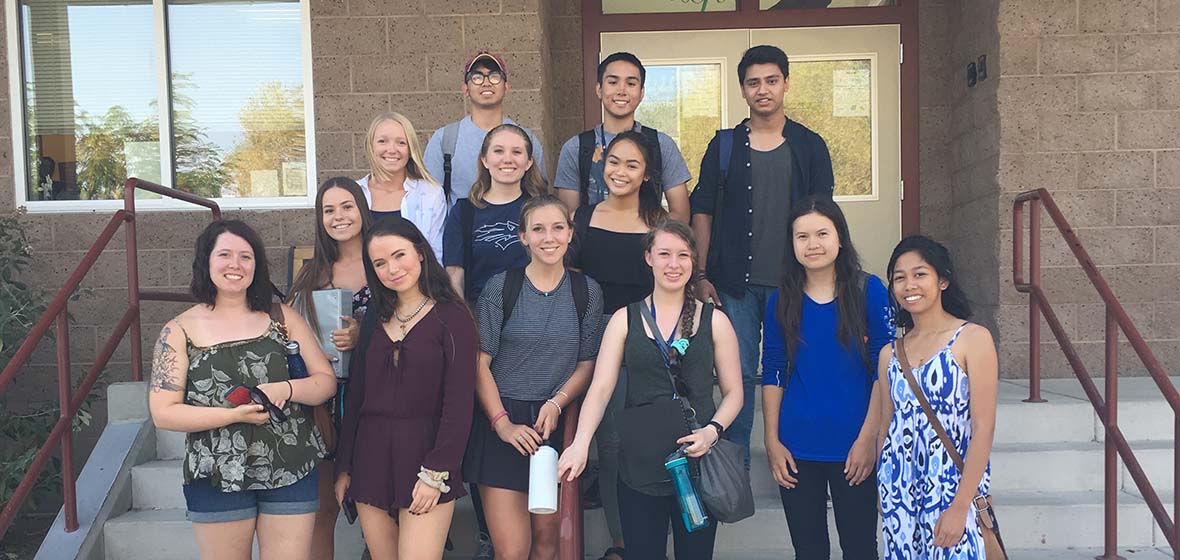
pixel 238 396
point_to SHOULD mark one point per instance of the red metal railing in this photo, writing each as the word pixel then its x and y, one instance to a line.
pixel 1107 408
pixel 57 311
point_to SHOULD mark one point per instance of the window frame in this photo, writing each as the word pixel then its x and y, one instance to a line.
pixel 16 86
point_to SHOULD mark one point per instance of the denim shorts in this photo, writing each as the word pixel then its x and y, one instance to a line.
pixel 207 504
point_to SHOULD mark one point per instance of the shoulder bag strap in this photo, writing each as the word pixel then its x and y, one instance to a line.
pixel 276 315
pixel 921 396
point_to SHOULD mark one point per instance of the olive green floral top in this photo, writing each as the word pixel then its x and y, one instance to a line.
pixel 246 456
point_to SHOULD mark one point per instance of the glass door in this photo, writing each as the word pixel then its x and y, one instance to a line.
pixel 844 84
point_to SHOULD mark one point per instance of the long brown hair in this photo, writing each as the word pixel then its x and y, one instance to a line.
pixel 531 184
pixel 317 273
pixel 689 310
pixel 850 297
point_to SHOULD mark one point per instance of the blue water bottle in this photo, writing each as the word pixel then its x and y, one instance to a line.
pixel 691 508
pixel 296 368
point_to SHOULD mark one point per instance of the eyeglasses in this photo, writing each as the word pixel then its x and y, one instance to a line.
pixel 478 78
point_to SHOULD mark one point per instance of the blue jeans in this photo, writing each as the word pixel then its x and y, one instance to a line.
pixel 207 504
pixel 746 315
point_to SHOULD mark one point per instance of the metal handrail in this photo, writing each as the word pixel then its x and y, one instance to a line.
pixel 1106 407
pixel 58 311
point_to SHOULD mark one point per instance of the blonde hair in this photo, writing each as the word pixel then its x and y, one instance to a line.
pixel 531 184
pixel 415 168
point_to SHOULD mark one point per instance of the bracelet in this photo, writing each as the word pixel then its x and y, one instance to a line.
pixel 554 403
pixel 562 393
pixel 435 479
pixel 717 425
pixel 497 418
pixel 700 275
pixel 291 388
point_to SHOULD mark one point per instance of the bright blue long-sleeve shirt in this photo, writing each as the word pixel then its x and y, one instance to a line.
pixel 826 395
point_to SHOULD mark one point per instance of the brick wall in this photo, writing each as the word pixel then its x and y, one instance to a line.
pixel 1089 110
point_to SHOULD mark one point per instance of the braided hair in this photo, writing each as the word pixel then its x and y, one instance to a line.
pixel 689 310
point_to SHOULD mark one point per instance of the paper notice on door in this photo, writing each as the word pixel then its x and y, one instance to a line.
pixel 851 93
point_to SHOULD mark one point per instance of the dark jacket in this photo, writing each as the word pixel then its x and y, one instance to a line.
pixel 728 266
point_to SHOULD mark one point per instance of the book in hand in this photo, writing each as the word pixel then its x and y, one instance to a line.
pixel 330 306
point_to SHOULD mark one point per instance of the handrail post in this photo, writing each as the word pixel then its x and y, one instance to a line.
pixel 1034 302
pixel 1110 474
pixel 64 382
pixel 132 248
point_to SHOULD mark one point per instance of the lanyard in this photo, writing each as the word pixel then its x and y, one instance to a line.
pixel 661 343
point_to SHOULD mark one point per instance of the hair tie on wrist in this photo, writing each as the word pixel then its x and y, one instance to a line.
pixel 497 418
pixel 554 403
pixel 291 389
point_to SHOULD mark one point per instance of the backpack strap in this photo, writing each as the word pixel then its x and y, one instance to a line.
pixel 513 283
pixel 449 140
pixel 586 146
pixel 466 227
pixel 725 142
pixel 657 157
pixel 581 289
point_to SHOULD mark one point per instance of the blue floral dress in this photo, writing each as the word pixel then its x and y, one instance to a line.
pixel 916 479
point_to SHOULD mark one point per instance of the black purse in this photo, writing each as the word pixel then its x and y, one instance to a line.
pixel 724 481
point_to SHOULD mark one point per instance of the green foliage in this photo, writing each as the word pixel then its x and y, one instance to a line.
pixel 24 428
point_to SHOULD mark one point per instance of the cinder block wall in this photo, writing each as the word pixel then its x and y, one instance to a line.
pixel 1090 110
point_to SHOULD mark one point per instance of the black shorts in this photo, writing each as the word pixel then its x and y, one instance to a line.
pixel 489 461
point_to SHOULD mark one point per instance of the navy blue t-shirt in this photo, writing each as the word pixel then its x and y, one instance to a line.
pixel 495 245
pixel 827 392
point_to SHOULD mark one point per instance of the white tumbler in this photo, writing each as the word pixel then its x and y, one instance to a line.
pixel 543 481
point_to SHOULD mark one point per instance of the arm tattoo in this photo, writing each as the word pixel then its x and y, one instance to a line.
pixel 163 362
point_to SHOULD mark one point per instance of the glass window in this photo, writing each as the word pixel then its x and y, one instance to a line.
pixel 684 102
pixel 666 6
pixel 235 125
pixel 237 120
pixel 91 111
pixel 835 99
pixel 790 4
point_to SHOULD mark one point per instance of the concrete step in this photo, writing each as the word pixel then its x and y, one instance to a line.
pixel 169 445
pixel 157 485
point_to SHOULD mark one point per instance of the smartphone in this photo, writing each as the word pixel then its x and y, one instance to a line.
pixel 238 395
pixel 349 507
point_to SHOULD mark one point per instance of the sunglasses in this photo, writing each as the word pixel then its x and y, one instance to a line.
pixel 239 395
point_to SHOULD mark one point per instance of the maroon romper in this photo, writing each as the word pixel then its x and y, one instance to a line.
pixel 414 411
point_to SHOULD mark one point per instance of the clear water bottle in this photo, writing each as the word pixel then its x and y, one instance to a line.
pixel 692 510
pixel 296 368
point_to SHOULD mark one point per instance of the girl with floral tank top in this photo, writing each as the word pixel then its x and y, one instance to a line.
pixel 255 461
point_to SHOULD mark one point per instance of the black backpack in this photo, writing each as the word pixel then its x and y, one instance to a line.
pixel 514 283
pixel 586 144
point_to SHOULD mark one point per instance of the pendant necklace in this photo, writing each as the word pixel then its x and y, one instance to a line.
pixel 403 321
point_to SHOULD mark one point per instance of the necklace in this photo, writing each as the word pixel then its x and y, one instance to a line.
pixel 403 321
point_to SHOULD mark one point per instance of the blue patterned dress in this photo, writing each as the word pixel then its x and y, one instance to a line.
pixel 916 479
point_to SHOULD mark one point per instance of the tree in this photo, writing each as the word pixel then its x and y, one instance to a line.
pixel 273 134
pixel 102 163
pixel 199 168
